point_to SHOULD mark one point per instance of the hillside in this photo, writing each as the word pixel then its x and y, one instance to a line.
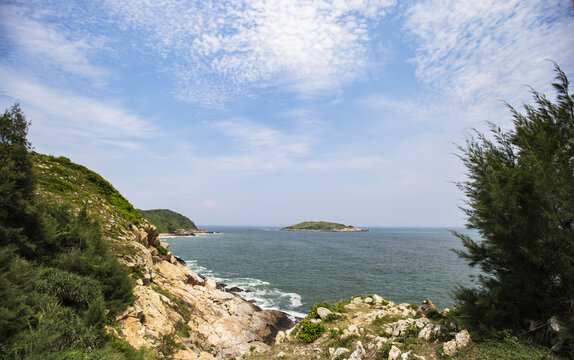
pixel 174 313
pixel 321 226
pixel 168 221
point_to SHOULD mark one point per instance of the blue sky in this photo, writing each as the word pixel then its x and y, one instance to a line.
pixel 271 112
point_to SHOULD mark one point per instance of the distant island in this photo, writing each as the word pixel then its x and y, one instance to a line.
pixel 322 226
pixel 170 222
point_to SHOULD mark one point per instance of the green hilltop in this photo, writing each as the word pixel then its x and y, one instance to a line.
pixel 168 221
pixel 320 226
pixel 62 181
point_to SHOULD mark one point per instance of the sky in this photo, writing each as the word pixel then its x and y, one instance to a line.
pixel 272 112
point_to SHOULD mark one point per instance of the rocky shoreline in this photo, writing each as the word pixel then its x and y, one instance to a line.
pixel 188 232
pixel 202 320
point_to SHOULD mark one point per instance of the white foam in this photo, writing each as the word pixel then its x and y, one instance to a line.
pixel 262 292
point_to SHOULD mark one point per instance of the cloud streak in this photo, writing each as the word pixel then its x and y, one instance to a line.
pixel 48 47
pixel 73 114
pixel 222 48
pixel 480 50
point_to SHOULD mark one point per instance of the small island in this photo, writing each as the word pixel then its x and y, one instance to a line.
pixel 322 226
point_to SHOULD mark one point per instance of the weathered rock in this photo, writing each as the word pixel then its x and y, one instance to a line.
pixel 430 331
pixel 369 300
pixel 426 308
pixel 350 331
pixel 357 301
pixel 323 312
pixel 462 339
pixel 377 299
pixel 359 352
pixel 394 353
pixel 340 351
pixel 210 284
pixel 280 337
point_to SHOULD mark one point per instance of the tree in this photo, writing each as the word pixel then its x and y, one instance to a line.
pixel 19 221
pixel 520 197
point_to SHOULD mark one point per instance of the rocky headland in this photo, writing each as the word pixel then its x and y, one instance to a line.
pixel 201 320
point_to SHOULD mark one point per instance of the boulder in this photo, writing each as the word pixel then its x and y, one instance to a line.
pixel 426 308
pixel 340 351
pixel 323 312
pixel 461 339
pixel 357 301
pixel 377 299
pixel 210 284
pixel 430 331
pixel 394 353
pixel 359 352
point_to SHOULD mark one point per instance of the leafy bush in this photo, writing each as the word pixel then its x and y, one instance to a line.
pixel 309 331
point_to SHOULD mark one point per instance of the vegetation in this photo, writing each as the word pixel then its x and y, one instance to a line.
pixel 62 181
pixel 520 196
pixel 317 226
pixel 309 331
pixel 167 221
pixel 59 283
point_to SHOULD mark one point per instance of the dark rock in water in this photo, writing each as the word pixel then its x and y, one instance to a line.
pixel 235 289
pixel 180 260
pixel 221 286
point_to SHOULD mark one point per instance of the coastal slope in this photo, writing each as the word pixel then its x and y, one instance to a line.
pixel 177 313
pixel 322 226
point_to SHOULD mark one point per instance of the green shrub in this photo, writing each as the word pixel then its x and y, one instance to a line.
pixel 309 331
pixel 161 250
pixel 69 287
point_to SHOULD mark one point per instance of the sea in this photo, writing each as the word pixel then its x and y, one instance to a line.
pixel 292 270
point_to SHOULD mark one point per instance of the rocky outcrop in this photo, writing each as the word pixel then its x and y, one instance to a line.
pixel 373 328
pixel 171 300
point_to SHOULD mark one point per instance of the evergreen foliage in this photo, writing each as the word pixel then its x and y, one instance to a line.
pixel 59 283
pixel 520 196
pixel 19 221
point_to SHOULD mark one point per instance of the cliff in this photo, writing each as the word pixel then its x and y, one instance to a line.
pixel 176 313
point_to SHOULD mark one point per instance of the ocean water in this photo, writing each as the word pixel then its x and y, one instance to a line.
pixel 290 271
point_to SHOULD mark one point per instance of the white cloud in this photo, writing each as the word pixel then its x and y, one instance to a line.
pixel 43 44
pixel 209 203
pixel 221 48
pixel 64 113
pixel 259 146
pixel 487 50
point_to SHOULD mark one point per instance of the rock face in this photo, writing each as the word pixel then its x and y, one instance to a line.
pixel 171 298
pixel 461 340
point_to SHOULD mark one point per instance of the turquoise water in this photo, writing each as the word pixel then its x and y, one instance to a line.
pixel 290 271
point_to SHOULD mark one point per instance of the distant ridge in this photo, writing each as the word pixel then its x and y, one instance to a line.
pixel 322 226
pixel 169 222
